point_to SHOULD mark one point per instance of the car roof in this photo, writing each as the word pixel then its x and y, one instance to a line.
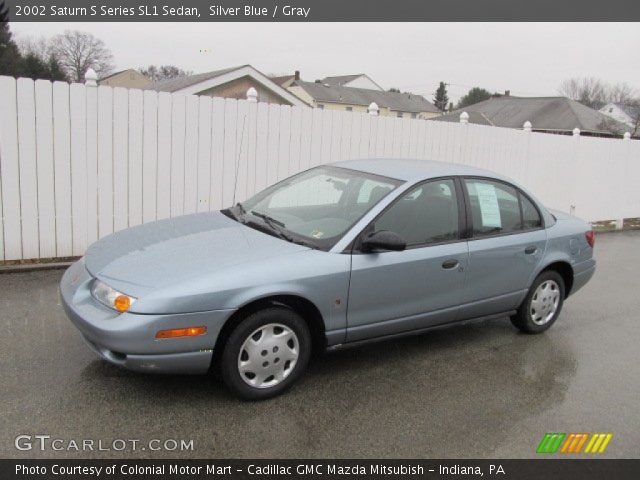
pixel 407 169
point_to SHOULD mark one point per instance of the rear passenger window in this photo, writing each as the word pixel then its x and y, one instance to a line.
pixel 530 215
pixel 494 207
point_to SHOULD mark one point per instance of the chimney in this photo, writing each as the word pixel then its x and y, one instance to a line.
pixel 296 75
pixel 507 93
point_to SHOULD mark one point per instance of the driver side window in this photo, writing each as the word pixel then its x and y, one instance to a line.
pixel 426 214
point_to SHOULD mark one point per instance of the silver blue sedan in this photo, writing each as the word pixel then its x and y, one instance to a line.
pixel 334 256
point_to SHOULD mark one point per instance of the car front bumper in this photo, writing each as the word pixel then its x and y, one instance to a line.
pixel 128 339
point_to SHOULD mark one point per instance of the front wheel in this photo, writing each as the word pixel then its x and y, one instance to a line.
pixel 542 304
pixel 266 353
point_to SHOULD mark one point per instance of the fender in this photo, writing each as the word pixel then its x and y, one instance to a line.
pixel 332 315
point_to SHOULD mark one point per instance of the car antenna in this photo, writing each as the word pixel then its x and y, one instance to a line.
pixel 235 180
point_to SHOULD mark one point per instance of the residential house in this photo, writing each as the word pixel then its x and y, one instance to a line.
pixel 335 93
pixel 285 81
pixel 129 78
pixel 359 80
pixel 229 83
pixel 558 115
pixel 629 114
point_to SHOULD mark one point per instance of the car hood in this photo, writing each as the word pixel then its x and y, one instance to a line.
pixel 158 254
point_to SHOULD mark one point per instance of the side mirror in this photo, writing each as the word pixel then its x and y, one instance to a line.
pixel 383 240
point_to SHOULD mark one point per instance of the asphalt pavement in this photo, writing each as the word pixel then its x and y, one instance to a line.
pixel 469 391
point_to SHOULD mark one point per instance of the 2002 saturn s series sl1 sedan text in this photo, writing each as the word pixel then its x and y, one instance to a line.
pixel 335 255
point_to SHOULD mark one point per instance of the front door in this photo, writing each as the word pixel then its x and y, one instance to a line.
pixel 393 292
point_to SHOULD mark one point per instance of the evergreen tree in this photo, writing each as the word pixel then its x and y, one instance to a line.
pixel 25 60
pixel 440 98
pixel 33 67
pixel 55 70
pixel 10 58
pixel 4 12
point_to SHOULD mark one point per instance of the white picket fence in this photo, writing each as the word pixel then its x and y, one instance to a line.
pixel 80 162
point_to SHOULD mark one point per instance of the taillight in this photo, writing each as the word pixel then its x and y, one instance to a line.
pixel 591 238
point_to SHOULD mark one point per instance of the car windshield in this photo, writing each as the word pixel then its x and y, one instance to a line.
pixel 315 207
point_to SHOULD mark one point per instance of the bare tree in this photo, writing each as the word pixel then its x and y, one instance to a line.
pixel 589 91
pixel 610 125
pixel 628 99
pixel 622 92
pixel 595 93
pixel 163 72
pixel 38 46
pixel 633 110
pixel 78 51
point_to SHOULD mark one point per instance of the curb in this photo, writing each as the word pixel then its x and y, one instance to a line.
pixel 34 267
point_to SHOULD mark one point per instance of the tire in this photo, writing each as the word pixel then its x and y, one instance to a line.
pixel 547 293
pixel 266 353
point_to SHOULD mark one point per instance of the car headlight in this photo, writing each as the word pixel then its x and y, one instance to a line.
pixel 111 297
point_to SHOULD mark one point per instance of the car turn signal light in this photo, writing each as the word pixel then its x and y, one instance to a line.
pixel 111 297
pixel 182 332
pixel 122 303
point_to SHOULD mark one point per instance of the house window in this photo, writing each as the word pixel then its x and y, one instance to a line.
pixel 399 114
pixel 414 115
pixel 320 106
pixel 349 109
pixel 610 109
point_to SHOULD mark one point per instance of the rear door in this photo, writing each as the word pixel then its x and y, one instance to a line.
pixel 392 292
pixel 507 242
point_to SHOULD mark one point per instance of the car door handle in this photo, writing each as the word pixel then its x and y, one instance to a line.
pixel 530 250
pixel 449 264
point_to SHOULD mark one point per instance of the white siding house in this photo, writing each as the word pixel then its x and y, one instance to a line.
pixel 359 80
pixel 627 114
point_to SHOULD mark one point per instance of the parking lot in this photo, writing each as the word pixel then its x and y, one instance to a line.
pixel 476 390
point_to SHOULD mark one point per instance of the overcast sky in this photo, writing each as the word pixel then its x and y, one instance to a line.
pixel 528 59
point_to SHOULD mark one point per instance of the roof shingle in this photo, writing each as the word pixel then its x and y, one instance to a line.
pixel 544 113
pixel 178 83
pixel 340 80
pixel 400 102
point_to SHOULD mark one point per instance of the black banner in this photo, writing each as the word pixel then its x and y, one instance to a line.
pixel 320 10
pixel 325 469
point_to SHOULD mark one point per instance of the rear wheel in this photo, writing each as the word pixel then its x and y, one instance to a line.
pixel 542 304
pixel 266 353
